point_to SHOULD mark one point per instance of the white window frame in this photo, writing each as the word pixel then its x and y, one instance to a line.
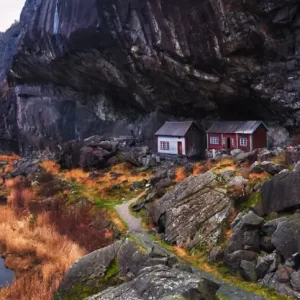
pixel 164 145
pixel 214 140
pixel 243 142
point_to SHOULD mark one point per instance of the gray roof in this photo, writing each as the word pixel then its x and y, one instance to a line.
pixel 246 127
pixel 175 128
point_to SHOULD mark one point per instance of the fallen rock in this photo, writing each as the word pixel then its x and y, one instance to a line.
pixel 158 175
pixel 192 213
pixel 264 155
pixel 286 237
pixel 284 273
pixel 267 264
pixel 249 157
pixel 281 192
pixel 295 281
pixel 236 152
pixel 94 140
pixel 233 260
pixel 271 168
pixel 248 270
pixel 245 235
pixel 266 244
pixel 25 167
pixel 164 183
pixel 93 157
pixel 216 254
pixel 270 227
pixel 238 182
pixel 256 168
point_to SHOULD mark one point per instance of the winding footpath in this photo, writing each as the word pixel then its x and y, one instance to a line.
pixel 135 229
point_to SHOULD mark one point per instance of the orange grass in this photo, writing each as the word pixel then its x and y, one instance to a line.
pixel 51 167
pixel 56 251
pixel 261 176
pixel 180 174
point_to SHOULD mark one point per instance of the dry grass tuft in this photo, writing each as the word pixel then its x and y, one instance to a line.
pixel 43 242
pixel 180 174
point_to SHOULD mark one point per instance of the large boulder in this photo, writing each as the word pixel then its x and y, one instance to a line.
pixel 135 268
pixel 286 238
pixel 93 157
pixel 281 192
pixel 264 155
pixel 192 213
pixel 271 168
pixel 245 234
pixel 136 156
pixel 270 226
pixel 25 167
pixel 249 157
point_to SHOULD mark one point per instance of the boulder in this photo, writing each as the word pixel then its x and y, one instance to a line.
pixel 236 152
pixel 249 157
pixel 295 281
pixel 233 260
pixel 106 145
pixel 271 168
pixel 216 254
pixel 270 227
pixel 281 192
pixel 284 273
pixel 135 268
pixel 248 270
pixel 286 237
pixel 25 167
pixel 264 155
pixel 136 156
pixel 238 182
pixel 94 140
pixel 164 183
pixel 266 244
pixel 70 153
pixel 294 261
pixel 256 168
pixel 245 235
pixel 192 213
pixel 267 264
pixel 93 157
pixel 158 175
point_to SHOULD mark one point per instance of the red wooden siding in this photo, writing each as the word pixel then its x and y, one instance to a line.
pixel 246 148
pixel 260 138
pixel 214 146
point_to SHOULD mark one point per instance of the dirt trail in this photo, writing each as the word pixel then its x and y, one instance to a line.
pixel 134 224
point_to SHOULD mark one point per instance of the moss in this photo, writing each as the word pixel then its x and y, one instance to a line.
pixel 82 290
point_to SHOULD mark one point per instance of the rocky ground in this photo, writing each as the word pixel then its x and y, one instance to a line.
pixel 234 215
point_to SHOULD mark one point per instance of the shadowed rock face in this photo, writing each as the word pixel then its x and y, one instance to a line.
pixel 111 60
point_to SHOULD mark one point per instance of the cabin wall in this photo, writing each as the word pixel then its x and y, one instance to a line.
pixel 232 137
pixel 194 142
pixel 214 146
pixel 260 138
pixel 173 144
pixel 246 148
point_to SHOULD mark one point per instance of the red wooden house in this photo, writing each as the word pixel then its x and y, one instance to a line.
pixel 244 135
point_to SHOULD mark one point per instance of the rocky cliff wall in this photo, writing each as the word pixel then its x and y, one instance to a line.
pixel 95 63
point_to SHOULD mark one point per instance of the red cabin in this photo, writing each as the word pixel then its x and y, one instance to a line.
pixel 244 135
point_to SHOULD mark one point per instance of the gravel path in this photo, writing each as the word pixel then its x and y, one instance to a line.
pixel 134 224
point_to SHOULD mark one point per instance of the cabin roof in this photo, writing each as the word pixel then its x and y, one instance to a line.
pixel 175 128
pixel 243 127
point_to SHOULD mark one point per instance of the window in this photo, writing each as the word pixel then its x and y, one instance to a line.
pixel 214 140
pixel 164 146
pixel 243 142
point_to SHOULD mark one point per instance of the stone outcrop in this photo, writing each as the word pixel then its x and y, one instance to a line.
pixel 281 192
pixel 137 268
pixel 80 68
pixel 192 213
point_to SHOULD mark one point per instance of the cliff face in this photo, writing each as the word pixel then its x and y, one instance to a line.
pixel 83 67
